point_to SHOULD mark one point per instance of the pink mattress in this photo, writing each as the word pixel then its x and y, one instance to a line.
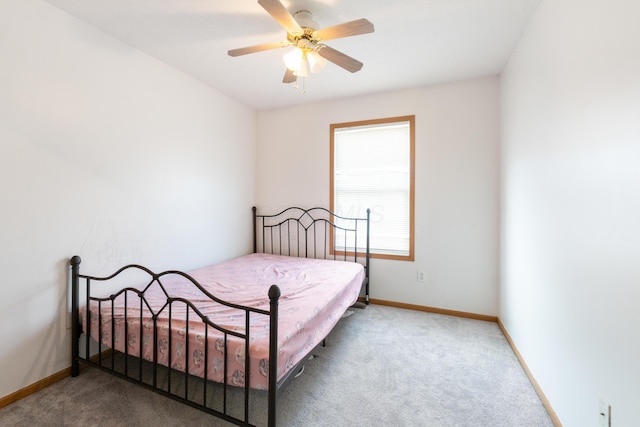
pixel 315 294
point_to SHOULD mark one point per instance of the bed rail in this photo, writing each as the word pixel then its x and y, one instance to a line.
pixel 314 233
pixel 104 356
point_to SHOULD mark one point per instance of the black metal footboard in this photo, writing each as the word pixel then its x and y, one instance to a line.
pixel 314 233
pixel 131 344
pixel 113 351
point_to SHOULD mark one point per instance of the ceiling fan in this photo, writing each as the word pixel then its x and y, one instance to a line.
pixel 310 53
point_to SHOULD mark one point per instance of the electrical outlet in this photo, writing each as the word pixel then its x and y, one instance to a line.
pixel 604 413
pixel 420 276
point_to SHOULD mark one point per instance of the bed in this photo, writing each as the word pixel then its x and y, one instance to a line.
pixel 228 337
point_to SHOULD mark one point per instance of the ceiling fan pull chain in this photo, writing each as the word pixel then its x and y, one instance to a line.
pixel 301 86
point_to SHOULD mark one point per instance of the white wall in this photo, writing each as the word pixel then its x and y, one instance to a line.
pixel 456 242
pixel 111 155
pixel 570 285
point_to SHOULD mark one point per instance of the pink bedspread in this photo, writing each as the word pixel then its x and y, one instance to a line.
pixel 315 294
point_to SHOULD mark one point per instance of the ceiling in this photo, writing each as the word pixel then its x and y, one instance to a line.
pixel 415 43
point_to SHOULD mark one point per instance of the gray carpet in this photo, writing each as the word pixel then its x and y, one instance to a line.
pixel 382 366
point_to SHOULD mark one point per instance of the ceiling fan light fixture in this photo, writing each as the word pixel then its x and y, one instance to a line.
pixel 303 70
pixel 316 62
pixel 293 59
pixel 303 61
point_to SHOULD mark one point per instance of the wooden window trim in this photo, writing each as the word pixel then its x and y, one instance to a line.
pixel 411 120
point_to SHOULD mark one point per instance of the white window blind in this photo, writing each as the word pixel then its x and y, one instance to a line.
pixel 372 169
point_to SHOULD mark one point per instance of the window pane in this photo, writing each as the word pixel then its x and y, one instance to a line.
pixel 372 169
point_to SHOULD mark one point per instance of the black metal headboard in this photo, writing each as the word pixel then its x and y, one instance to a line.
pixel 314 233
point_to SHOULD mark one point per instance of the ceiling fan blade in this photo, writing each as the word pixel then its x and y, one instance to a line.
pixel 281 14
pixel 289 77
pixel 348 29
pixel 340 59
pixel 257 48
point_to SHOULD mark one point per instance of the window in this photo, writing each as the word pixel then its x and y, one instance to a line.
pixel 372 166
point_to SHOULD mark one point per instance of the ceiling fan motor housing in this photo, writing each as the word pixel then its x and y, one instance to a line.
pixel 305 19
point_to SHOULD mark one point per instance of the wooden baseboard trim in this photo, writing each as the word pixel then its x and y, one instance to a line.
pixel 45 382
pixel 435 310
pixel 105 355
pixel 534 383
pixel 35 387
pixel 39 385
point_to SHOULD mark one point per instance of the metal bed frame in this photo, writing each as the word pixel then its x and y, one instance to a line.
pixel 309 233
